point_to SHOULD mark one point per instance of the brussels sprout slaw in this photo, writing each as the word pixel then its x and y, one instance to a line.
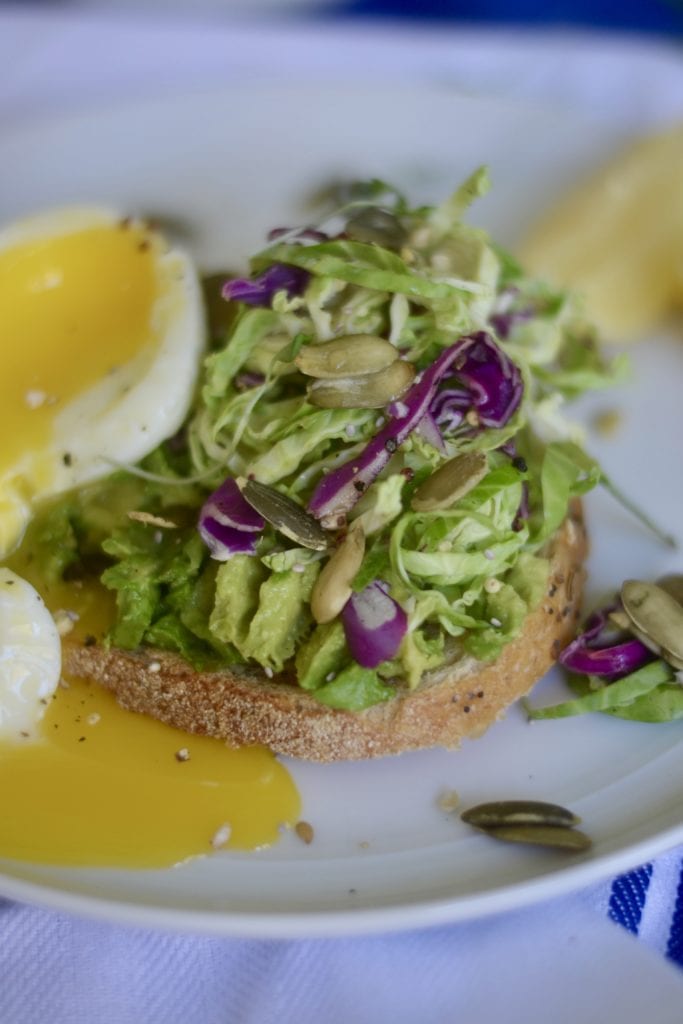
pixel 490 358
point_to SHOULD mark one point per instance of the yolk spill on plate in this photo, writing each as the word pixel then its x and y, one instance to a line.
pixel 100 786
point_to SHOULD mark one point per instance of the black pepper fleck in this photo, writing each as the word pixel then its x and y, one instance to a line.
pixel 67 459
pixel 520 464
pixel 390 445
pixel 466 709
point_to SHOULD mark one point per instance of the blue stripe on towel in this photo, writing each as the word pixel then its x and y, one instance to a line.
pixel 628 895
pixel 674 949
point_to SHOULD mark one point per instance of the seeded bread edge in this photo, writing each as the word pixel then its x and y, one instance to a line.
pixel 452 703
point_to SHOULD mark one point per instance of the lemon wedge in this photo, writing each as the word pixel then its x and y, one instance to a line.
pixel 30 656
pixel 617 238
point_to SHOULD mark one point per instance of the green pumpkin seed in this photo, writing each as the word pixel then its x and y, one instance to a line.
pixel 368 391
pixel 374 225
pixel 557 836
pixel 332 588
pixel 519 812
pixel 450 482
pixel 656 619
pixel 284 514
pixel 349 355
pixel 673 584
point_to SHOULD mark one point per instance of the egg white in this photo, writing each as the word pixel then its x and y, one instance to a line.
pixel 30 657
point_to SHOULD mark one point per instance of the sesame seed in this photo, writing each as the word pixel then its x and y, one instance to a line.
pixel 350 429
pixel 496 622
pixel 93 719
pixel 154 667
pixel 488 553
pixel 221 836
pixel 330 676
pixel 183 754
pixel 298 567
pixel 35 399
pixel 492 585
pixel 268 671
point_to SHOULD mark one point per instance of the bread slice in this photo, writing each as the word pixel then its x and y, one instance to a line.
pixel 243 706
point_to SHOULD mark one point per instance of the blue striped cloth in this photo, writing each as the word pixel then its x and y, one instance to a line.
pixel 663 17
pixel 609 954
pixel 648 902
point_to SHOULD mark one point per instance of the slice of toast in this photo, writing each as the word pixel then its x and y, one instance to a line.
pixel 243 706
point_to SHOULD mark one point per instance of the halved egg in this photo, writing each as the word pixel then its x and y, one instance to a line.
pixel 103 326
pixel 102 333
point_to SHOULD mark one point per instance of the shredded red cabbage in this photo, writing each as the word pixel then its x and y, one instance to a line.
pixel 504 323
pixel 493 387
pixel 228 524
pixel 486 382
pixel 374 625
pixel 225 541
pixel 340 490
pixel 506 315
pixel 592 654
pixel 260 290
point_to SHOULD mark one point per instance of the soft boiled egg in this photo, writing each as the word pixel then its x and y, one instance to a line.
pixel 103 329
pixel 103 326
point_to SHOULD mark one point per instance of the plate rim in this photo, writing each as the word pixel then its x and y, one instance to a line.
pixel 351 922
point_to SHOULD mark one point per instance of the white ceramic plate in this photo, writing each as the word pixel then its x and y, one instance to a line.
pixel 231 165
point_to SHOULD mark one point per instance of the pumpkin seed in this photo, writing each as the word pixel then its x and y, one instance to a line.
pixel 519 812
pixel 374 225
pixel 332 588
pixel 351 354
pixel 284 514
pixel 656 619
pixel 451 481
pixel 368 391
pixel 557 836
pixel 620 620
pixel 673 584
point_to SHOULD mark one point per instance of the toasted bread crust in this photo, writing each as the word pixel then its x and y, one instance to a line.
pixel 245 707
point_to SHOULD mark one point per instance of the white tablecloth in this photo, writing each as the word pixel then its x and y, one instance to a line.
pixel 561 961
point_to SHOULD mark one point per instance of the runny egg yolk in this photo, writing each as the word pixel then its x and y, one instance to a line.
pixel 101 786
pixel 73 307
pixel 92 784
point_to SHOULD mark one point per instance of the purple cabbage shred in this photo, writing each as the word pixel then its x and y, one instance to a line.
pixel 228 525
pixel 260 290
pixel 594 652
pixel 374 625
pixel 484 379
